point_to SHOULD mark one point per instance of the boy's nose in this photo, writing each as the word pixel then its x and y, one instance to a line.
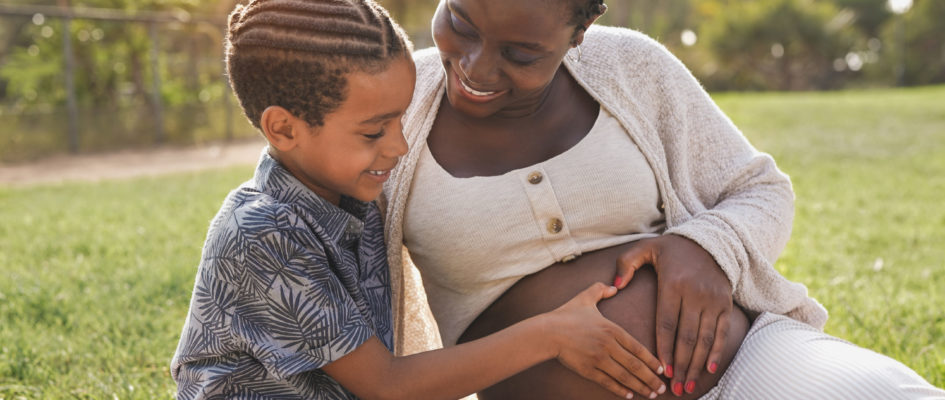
pixel 397 146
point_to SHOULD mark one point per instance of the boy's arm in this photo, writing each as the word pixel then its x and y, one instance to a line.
pixel 576 333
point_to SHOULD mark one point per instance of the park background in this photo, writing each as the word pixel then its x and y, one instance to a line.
pixel 847 95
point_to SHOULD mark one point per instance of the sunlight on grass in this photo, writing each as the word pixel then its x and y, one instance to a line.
pixel 98 276
pixel 97 282
pixel 868 169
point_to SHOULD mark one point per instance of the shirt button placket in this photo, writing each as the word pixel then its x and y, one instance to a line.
pixel 535 178
pixel 555 225
pixel 548 215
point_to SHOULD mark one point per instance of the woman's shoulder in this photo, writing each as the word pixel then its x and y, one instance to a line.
pixel 428 62
pixel 620 64
pixel 625 49
pixel 429 76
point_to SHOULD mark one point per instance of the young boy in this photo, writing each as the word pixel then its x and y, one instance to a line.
pixel 292 298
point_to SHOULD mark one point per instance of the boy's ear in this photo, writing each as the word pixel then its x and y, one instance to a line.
pixel 280 127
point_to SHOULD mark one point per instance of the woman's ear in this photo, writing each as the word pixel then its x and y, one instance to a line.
pixel 579 35
pixel 278 126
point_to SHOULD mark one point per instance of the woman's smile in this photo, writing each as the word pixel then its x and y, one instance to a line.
pixel 471 93
pixel 500 57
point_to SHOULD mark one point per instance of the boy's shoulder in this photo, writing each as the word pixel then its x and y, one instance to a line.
pixel 273 219
pixel 254 216
pixel 249 214
pixel 256 235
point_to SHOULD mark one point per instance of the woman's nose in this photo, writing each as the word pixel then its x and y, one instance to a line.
pixel 479 67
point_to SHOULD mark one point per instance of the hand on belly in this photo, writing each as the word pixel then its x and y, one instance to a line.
pixel 634 309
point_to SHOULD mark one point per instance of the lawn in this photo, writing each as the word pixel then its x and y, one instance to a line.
pixel 97 276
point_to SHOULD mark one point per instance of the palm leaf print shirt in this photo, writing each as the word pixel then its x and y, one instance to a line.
pixel 287 283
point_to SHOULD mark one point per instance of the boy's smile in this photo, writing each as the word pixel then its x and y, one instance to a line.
pixel 354 152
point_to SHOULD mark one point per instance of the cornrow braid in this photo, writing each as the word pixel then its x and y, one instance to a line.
pixel 296 53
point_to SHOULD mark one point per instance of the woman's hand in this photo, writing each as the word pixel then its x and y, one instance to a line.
pixel 599 350
pixel 694 301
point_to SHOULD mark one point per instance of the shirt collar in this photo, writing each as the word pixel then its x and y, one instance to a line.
pixel 343 223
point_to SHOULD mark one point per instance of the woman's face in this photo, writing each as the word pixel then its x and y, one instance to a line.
pixel 500 55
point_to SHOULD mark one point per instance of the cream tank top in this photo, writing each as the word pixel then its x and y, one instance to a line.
pixel 473 238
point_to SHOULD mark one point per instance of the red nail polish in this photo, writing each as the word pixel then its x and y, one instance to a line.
pixel 714 366
pixel 617 281
pixel 690 386
pixel 677 388
pixel 669 371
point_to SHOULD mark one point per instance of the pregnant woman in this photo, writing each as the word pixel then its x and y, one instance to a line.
pixel 546 154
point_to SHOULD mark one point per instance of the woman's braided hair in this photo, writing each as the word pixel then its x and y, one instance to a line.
pixel 584 10
pixel 296 53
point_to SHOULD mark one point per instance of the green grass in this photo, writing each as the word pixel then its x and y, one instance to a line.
pixel 97 280
pixel 868 169
pixel 97 276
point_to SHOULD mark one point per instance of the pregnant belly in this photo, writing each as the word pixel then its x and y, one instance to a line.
pixel 633 308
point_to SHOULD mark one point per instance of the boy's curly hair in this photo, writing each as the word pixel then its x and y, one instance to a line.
pixel 296 53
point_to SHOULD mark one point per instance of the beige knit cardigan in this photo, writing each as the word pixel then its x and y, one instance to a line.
pixel 716 188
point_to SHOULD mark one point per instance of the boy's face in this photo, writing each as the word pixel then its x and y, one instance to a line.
pixel 355 150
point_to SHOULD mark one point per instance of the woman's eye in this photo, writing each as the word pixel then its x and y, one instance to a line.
pixel 461 27
pixel 519 57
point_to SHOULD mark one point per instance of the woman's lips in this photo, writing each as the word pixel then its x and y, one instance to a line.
pixel 470 93
pixel 474 91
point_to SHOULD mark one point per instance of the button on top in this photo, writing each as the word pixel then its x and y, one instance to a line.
pixel 535 178
pixel 555 225
pixel 568 258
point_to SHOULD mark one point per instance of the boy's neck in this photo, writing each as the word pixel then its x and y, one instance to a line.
pixel 334 200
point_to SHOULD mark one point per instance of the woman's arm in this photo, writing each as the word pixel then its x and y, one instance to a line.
pixel 719 192
pixel 575 333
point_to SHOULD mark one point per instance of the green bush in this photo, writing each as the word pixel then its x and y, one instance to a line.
pixel 914 42
pixel 780 45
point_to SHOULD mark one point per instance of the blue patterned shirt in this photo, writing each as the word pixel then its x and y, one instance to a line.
pixel 287 283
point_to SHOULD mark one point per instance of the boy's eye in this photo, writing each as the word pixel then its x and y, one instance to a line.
pixel 375 136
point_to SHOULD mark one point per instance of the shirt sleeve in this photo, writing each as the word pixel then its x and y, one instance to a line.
pixel 295 312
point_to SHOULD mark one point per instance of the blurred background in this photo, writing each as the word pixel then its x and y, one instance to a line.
pixel 90 76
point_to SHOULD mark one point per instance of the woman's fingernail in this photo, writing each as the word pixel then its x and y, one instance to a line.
pixel 669 371
pixel 661 390
pixel 659 370
pixel 690 386
pixel 713 366
pixel 652 395
pixel 617 281
pixel 629 395
pixel 677 388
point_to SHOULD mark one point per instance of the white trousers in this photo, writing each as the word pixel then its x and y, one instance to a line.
pixel 781 358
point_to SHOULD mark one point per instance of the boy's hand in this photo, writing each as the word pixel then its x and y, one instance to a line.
pixel 694 301
pixel 600 350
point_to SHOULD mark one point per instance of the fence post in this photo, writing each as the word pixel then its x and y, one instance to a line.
pixel 71 103
pixel 156 90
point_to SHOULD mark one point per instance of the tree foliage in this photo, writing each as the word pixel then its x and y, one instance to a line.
pixel 730 45
pixel 743 44
pixel 780 44
pixel 916 44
